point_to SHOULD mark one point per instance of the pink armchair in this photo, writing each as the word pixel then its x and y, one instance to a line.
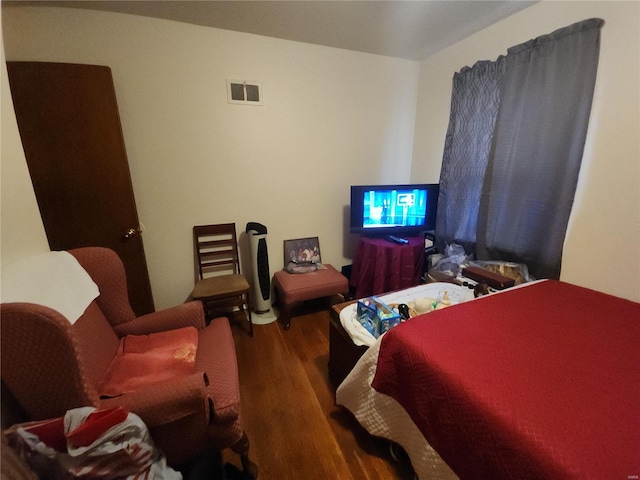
pixel 51 365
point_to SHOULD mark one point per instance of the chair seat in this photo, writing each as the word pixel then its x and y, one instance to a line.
pixel 220 286
pixel 299 287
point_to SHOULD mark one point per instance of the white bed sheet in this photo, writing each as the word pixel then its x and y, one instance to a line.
pixel 53 279
pixel 361 336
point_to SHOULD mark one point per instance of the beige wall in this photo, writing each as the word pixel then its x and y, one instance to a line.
pixel 21 233
pixel 331 118
pixel 602 247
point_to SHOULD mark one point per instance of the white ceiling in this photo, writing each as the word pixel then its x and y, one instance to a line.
pixel 405 29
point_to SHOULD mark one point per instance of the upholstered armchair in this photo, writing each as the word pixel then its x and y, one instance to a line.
pixel 51 365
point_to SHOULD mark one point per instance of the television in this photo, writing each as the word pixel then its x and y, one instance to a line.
pixel 378 210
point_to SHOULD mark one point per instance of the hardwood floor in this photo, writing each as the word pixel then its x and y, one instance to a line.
pixel 296 430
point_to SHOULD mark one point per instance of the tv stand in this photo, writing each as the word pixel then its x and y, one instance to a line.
pixel 381 266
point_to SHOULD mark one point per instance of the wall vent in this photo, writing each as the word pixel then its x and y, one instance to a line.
pixel 244 92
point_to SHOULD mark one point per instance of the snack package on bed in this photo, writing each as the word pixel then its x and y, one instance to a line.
pixel 376 316
pixel 387 317
pixel 367 316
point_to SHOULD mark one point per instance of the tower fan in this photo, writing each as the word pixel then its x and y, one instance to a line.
pixel 261 278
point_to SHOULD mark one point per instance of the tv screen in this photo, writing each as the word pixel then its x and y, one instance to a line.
pixel 393 209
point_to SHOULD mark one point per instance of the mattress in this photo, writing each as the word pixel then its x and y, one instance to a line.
pixel 534 382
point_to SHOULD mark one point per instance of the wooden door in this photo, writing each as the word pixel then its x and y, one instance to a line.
pixel 70 128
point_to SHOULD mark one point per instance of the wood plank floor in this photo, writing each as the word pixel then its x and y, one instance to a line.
pixel 295 429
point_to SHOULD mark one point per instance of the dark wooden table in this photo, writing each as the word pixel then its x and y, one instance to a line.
pixel 343 353
pixel 380 266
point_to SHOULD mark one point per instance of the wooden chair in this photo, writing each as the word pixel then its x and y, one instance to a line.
pixel 220 286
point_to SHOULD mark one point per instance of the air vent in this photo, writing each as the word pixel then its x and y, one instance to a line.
pixel 244 92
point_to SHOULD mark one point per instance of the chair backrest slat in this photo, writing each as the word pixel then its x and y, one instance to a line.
pixel 215 249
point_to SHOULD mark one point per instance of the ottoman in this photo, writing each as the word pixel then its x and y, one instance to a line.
pixel 295 288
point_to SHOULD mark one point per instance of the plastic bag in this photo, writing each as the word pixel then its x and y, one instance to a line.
pixel 90 443
pixel 450 265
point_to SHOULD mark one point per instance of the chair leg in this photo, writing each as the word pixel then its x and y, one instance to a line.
pixel 283 313
pixel 249 310
pixel 241 447
pixel 247 314
pixel 285 316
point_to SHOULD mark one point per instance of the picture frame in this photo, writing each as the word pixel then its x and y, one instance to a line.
pixel 301 250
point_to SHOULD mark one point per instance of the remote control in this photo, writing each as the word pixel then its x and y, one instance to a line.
pixel 392 238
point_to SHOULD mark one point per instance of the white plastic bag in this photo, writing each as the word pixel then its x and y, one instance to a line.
pixel 451 264
pixel 122 449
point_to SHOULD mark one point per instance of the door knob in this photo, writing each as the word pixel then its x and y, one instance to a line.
pixel 132 232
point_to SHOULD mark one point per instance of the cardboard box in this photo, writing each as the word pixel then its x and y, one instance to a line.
pixel 376 316
pixel 495 280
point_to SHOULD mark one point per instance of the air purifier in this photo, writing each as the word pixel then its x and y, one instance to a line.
pixel 257 234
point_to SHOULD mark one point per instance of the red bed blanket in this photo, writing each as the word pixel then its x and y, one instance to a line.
pixel 535 382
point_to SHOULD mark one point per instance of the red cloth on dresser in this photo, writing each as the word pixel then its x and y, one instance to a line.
pixel 381 266
pixel 535 382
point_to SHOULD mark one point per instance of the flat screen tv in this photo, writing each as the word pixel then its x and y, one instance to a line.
pixel 378 210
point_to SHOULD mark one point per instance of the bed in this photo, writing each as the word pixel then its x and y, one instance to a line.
pixel 539 381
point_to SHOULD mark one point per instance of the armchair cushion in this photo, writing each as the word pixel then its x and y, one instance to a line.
pixel 148 359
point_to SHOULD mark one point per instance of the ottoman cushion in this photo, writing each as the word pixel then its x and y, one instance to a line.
pixel 307 286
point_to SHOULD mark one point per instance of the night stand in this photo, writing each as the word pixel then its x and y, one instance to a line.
pixel 343 353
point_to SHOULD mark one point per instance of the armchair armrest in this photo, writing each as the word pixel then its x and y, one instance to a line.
pixel 188 314
pixel 167 401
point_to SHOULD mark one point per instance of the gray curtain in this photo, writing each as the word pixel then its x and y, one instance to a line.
pixel 537 148
pixel 474 104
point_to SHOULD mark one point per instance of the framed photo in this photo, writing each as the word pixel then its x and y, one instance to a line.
pixel 302 250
